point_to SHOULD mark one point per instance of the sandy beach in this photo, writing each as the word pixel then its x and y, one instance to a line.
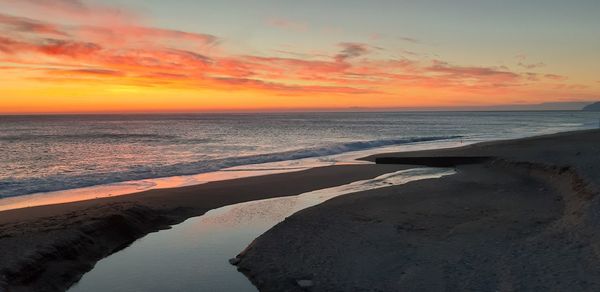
pixel 518 215
pixel 48 248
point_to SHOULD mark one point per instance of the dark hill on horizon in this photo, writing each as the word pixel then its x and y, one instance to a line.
pixel 592 107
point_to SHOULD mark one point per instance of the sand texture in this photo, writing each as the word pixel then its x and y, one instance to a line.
pixel 520 215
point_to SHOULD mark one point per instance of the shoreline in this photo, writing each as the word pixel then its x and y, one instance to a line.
pixel 52 246
pixel 523 218
pixel 194 171
pixel 243 171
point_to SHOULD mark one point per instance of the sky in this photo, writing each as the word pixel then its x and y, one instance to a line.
pixel 80 56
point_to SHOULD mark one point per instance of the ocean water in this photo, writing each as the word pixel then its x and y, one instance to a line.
pixel 54 153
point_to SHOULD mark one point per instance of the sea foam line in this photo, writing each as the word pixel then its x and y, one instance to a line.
pixel 16 187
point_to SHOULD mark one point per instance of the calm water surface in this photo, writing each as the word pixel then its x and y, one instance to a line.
pixel 193 256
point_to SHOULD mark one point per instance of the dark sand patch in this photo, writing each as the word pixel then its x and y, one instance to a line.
pixel 525 219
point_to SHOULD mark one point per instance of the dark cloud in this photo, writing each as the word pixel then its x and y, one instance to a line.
pixel 444 67
pixel 531 65
pixel 409 39
pixel 555 77
pixel 69 48
pixel 351 50
pixel 94 71
pixel 74 4
pixel 51 47
pixel 26 25
pixel 193 56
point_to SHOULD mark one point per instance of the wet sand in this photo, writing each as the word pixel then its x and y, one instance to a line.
pixel 48 248
pixel 519 215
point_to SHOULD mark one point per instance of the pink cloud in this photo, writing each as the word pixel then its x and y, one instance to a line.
pixel 74 10
pixel 150 56
pixel 288 25
pixel 123 34
pixel 375 36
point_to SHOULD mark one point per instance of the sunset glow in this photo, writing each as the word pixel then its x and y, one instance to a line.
pixel 84 56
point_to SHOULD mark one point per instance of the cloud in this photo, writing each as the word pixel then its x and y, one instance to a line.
pixel 574 87
pixel 87 71
pixel 295 64
pixel 351 50
pixel 288 25
pixel 527 65
pixel 375 36
pixel 68 5
pixel 409 39
pixel 73 10
pixel 461 71
pixel 521 57
pixel 48 47
pixel 126 33
pixel 165 75
pixel 555 77
pixel 130 53
pixel 290 88
pixel 74 49
pixel 9 46
pixel 407 52
pixel 531 65
pixel 63 4
pixel 26 25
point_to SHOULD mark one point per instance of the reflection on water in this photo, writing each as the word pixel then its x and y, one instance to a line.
pixel 193 256
pixel 129 187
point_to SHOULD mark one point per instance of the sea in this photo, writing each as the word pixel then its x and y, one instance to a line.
pixel 54 153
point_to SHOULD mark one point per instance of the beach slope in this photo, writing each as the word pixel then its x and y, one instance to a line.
pixel 518 215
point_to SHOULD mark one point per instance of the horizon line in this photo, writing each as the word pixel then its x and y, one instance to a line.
pixel 277 111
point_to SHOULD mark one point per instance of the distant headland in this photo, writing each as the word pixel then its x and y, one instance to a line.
pixel 592 107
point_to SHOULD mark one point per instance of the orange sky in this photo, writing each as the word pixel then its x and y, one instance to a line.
pixel 101 58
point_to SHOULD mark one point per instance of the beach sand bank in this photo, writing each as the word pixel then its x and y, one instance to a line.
pixel 48 248
pixel 518 215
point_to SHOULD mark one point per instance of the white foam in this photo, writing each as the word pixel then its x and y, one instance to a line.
pixel 128 187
